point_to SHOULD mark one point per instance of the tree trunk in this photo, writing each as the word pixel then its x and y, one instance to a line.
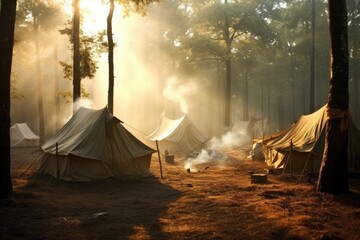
pixel 268 107
pixel 292 86
pixel 57 88
pixel 39 83
pixel 280 103
pixel 111 57
pixel 333 176
pixel 245 96
pixel 228 93
pixel 7 19
pixel 356 79
pixel 312 59
pixel 228 72
pixel 76 57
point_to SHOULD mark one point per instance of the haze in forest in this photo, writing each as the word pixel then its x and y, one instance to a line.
pixel 162 67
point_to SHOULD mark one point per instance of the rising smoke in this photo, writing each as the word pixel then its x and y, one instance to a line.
pixel 179 92
pixel 214 153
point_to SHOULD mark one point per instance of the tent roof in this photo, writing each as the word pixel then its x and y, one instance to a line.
pixel 174 130
pixel 85 135
pixel 303 134
pixel 167 127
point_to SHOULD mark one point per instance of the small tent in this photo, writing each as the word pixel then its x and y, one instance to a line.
pixel 22 136
pixel 178 135
pixel 94 144
pixel 299 148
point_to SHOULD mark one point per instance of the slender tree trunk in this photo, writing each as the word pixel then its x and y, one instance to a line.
pixel 76 56
pixel 7 19
pixel 280 103
pixel 268 107
pixel 111 57
pixel 228 72
pixel 57 88
pixel 228 93
pixel 39 83
pixel 245 96
pixel 333 176
pixel 312 59
pixel 292 86
pixel 355 81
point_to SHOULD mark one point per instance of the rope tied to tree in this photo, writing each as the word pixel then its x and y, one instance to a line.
pixel 335 113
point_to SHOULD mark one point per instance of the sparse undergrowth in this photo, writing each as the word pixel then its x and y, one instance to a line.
pixel 218 201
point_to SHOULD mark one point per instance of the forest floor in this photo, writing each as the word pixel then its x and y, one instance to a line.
pixel 216 201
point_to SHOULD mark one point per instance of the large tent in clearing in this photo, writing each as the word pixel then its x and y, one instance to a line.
pixel 178 135
pixel 94 144
pixel 22 136
pixel 299 148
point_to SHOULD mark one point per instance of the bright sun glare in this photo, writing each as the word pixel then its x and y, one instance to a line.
pixel 94 14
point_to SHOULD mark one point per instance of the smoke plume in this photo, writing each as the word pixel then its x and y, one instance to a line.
pixel 176 92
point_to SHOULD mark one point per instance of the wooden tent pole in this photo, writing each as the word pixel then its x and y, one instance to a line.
pixel 57 160
pixel 157 147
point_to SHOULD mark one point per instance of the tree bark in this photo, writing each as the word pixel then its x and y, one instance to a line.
pixel 39 82
pixel 245 95
pixel 57 88
pixel 227 110
pixel 76 56
pixel 7 19
pixel 312 59
pixel 333 177
pixel 111 57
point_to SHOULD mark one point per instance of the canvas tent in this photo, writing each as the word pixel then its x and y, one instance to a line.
pixel 178 135
pixel 22 136
pixel 299 148
pixel 93 144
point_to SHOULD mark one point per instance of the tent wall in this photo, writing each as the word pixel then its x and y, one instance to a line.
pixel 72 168
pixel 296 162
pixel 94 144
pixel 77 169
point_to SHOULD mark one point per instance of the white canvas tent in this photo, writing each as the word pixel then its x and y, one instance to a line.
pixel 93 144
pixel 178 135
pixel 22 136
pixel 300 147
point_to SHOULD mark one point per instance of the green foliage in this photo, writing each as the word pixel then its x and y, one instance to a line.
pixel 138 6
pixel 91 47
pixel 68 96
pixel 46 14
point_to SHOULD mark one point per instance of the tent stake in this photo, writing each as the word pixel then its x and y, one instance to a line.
pixel 57 159
pixel 157 147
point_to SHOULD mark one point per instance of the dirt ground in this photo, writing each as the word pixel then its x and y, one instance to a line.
pixel 218 201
